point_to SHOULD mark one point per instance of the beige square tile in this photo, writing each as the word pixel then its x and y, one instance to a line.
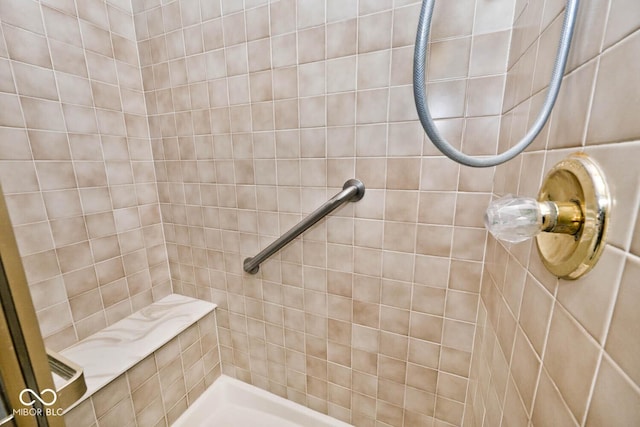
pixel 431 271
pixel 57 318
pixel 525 369
pixel 85 305
pixel 369 39
pixel 438 174
pixel 397 266
pixel 449 410
pixel 82 413
pixel 621 21
pixel 461 306
pixel 341 74
pixel 405 139
pixel 371 6
pixel 608 92
pixel 284 50
pixel 449 59
pixel 436 208
pixel 393 370
pixel 535 311
pixel 613 389
pixel 493 16
pixel 514 412
pixel 399 237
pixel 401 68
pixel 444 23
pixel 468 207
pixel 366 79
pixel 485 96
pixel 549 408
pixel 422 378
pixel 489 53
pixel 341 38
pixel 283 17
pixel 25 46
pixel 257 21
pixel 337 10
pixel 403 173
pixel 481 135
pixel 594 316
pixel 110 395
pixel 309 108
pixel 152 414
pixel 571 358
pixel 592 21
pixel 18 14
pixel 619 345
pixel 234 28
pixel 121 414
pixel 434 240
pixel 285 83
pixel 7 84
pixel 567 126
pixel 35 81
pixel 635 243
pixel 426 327
pixel 401 107
pixel 468 243
pixel 33 238
pixel 341 109
pixel 458 334
pixel 18 177
pixel 455 361
pixel 371 106
pixel 446 98
pixel 405 22
pixel 422 403
pixel 115 293
pixel 389 413
pixel 44 145
pixel 612 159
pixel 311 45
pixel 452 387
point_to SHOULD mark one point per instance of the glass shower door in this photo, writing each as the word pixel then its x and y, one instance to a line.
pixel 4 406
pixel 28 395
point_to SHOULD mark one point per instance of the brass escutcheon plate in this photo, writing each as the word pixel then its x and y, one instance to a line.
pixel 576 179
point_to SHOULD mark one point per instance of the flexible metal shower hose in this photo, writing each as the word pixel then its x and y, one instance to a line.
pixel 419 65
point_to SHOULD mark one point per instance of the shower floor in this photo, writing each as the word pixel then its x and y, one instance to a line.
pixel 230 402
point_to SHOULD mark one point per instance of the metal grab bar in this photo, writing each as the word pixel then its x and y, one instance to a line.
pixel 352 191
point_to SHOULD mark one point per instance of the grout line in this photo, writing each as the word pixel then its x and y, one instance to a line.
pixel 82 208
pixel 592 387
pixel 607 329
pixel 595 78
pixel 592 95
pixel 130 161
pixel 161 224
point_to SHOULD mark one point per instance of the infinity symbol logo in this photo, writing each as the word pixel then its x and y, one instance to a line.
pixel 37 396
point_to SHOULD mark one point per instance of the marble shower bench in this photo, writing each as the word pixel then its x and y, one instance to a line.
pixel 111 352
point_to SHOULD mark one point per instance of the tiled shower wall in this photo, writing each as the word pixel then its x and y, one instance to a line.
pixel 258 113
pixel 549 351
pixel 76 165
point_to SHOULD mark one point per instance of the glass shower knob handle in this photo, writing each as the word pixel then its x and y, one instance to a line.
pixel 515 219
